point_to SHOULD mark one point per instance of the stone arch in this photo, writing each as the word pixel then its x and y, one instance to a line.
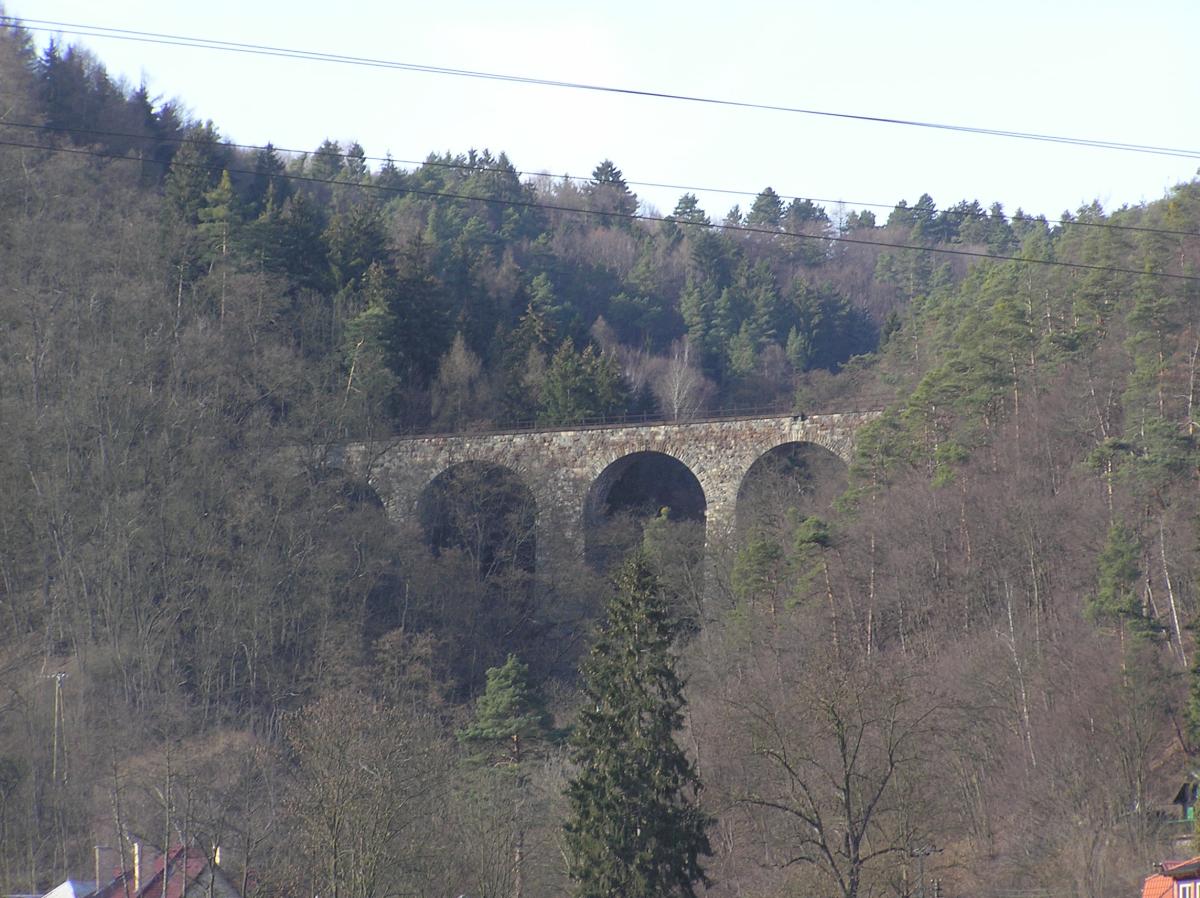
pixel 484 508
pixel 631 489
pixel 796 476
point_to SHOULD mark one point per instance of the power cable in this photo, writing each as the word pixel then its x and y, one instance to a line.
pixel 151 37
pixel 467 167
pixel 626 216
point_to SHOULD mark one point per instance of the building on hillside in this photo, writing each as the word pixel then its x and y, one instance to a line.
pixel 180 873
pixel 1174 879
pixel 1185 799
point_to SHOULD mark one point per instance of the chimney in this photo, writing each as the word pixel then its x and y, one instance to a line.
pixel 137 867
pixel 216 855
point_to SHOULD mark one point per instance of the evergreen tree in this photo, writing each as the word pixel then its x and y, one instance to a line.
pixel 859 221
pixel 301 252
pixel 767 211
pixel 510 716
pixel 195 170
pixel 580 386
pixel 269 183
pixel 390 176
pixel 327 161
pixel 355 167
pixel 609 194
pixel 697 307
pixel 357 239
pixel 543 318
pixel 635 828
pixel 510 722
pixel 925 220
pixel 370 351
pixel 1193 703
pixel 688 211
pixel 220 220
pixel 1116 600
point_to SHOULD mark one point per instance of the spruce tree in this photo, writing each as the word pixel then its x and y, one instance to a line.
pixel 635 828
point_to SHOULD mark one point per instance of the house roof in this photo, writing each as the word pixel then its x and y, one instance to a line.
pixel 1158 886
pixel 1189 869
pixel 72 888
pixel 182 867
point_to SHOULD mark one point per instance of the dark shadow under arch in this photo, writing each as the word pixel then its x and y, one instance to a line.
pixel 632 490
pixel 790 482
pixel 484 510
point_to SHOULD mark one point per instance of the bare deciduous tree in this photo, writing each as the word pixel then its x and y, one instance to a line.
pixel 680 387
pixel 368 777
pixel 836 757
pixel 461 394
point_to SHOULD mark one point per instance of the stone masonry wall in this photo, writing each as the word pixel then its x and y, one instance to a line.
pixel 560 466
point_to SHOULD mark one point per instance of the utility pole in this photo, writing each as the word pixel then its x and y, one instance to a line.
pixel 920 854
pixel 60 725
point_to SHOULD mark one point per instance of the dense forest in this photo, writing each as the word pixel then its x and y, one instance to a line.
pixel 972 663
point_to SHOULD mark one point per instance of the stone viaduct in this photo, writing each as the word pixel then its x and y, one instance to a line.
pixel 570 471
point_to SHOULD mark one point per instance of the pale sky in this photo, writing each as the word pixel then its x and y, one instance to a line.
pixel 1099 69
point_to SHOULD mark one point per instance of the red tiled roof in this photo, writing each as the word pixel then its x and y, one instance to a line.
pixel 182 867
pixel 1158 886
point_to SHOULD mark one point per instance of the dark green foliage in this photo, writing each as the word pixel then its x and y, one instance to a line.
pixel 688 211
pixel 580 386
pixel 356 241
pixel 860 220
pixel 84 105
pixel 1116 600
pixel 543 321
pixel 268 186
pixel 1193 702
pixel 760 570
pixel 634 826
pixel 608 194
pixel 510 716
pixel 803 213
pixel 766 212
pixel 824 330
pixel 298 249
pixel 405 322
pixel 326 163
pixel 195 170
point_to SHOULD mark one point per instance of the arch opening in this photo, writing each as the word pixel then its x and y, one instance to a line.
pixel 787 484
pixel 637 491
pixel 486 512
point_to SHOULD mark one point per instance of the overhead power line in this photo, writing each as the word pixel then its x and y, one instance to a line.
pixel 176 40
pixel 550 207
pixel 468 167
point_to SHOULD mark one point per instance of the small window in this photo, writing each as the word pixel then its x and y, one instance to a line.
pixel 1187 890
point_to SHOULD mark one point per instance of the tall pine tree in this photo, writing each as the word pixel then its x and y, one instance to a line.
pixel 510 723
pixel 635 828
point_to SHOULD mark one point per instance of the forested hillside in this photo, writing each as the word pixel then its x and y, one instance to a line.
pixel 978 663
